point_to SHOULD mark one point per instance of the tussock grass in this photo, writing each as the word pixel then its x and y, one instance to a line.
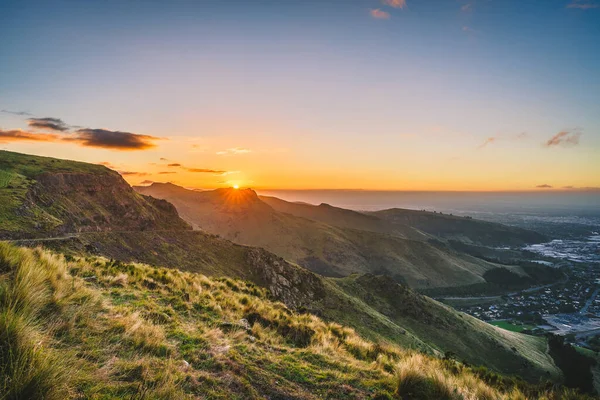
pixel 100 329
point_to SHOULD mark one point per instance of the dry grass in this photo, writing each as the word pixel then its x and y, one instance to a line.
pixel 93 328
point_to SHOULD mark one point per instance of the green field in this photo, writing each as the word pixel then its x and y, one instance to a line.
pixel 513 327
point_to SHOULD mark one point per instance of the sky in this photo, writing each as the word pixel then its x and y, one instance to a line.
pixel 300 94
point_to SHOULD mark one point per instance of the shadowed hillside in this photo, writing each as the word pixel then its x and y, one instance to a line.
pixel 464 229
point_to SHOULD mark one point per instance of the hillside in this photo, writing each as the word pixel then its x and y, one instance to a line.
pixel 330 298
pixel 344 218
pixel 413 224
pixel 471 339
pixel 463 229
pixel 241 216
pixel 43 197
pixel 94 328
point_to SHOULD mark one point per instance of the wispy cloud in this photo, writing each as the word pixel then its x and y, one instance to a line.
pixel 522 135
pixel 234 151
pixel 166 172
pixel 379 14
pixel 53 124
pixel 133 173
pixel 468 7
pixel 197 170
pixel 19 113
pixel 205 170
pixel 146 182
pixel 583 4
pixel 107 164
pixel 494 139
pixel 468 30
pixel 544 186
pixel 394 3
pixel 565 138
pixel 487 141
pixel 583 189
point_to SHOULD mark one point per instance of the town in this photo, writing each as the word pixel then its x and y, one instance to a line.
pixel 569 308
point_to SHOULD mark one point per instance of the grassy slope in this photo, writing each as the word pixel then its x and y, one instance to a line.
pixel 449 331
pixel 96 329
pixel 411 325
pixel 326 249
pixel 41 196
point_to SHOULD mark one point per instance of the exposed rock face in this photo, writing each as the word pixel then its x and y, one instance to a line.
pixel 92 202
pixel 294 286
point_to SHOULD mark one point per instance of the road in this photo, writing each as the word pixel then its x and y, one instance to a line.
pixel 67 236
pixel 529 290
pixel 589 302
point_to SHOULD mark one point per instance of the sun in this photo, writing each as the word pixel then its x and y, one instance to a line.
pixel 236 186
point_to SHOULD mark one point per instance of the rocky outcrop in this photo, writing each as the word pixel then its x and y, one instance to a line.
pixel 290 284
pixel 93 202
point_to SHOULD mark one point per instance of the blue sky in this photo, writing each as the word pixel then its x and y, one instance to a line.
pixel 404 95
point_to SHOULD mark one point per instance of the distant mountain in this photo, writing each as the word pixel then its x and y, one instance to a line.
pixel 344 218
pixel 42 197
pixel 413 224
pixel 328 240
pixel 463 229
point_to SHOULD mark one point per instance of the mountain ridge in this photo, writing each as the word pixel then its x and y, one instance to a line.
pixel 309 239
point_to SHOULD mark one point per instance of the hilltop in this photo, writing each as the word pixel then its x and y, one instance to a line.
pixel 44 197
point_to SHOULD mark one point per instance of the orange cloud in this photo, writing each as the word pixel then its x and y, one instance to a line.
pixel 234 151
pixel 487 141
pixel 17 135
pixel 100 138
pixel 395 3
pixel 107 164
pixel 133 173
pixel 378 14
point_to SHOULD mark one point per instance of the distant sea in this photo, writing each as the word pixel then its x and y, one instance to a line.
pixel 556 203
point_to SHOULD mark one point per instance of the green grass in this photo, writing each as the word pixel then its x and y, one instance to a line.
pixel 441 328
pixel 513 327
pixel 31 166
pixel 96 329
pixel 42 197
